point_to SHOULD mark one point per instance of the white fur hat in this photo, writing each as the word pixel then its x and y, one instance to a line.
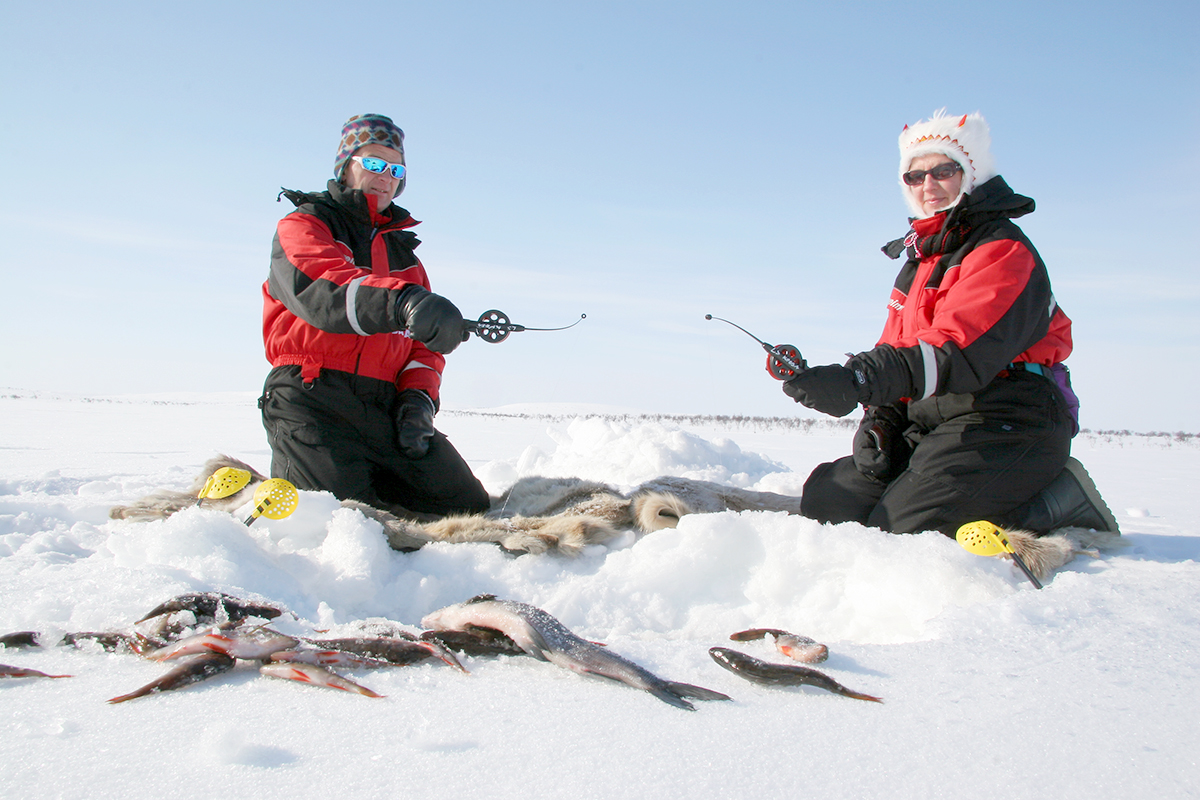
pixel 963 139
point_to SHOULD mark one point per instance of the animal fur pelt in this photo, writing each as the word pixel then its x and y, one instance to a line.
pixel 535 515
pixel 165 502
pixel 1045 554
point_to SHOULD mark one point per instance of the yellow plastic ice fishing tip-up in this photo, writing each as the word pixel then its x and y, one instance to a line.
pixel 275 498
pixel 224 482
pixel 985 539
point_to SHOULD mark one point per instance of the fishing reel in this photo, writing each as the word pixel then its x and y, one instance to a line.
pixel 784 361
pixel 494 326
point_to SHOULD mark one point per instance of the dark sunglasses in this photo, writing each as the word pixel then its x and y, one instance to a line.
pixel 379 166
pixel 939 173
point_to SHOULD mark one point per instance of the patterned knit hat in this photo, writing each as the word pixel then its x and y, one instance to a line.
pixel 364 129
pixel 963 139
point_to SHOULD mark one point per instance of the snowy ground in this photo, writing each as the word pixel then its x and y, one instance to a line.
pixel 992 689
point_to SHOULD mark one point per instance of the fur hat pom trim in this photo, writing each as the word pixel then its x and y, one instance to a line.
pixel 966 140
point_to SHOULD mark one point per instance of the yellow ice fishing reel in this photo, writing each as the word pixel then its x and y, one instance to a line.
pixel 224 482
pixel 275 498
pixel 985 539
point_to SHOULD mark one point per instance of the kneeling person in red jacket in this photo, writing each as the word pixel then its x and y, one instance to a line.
pixel 356 340
pixel 969 410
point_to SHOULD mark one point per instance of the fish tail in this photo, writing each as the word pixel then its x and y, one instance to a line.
pixel 439 651
pixel 823 681
pixel 139 693
pixel 844 692
pixel 669 696
pixel 820 680
pixel 695 692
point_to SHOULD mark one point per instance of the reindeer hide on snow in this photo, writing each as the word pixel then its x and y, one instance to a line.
pixel 538 515
pixel 535 515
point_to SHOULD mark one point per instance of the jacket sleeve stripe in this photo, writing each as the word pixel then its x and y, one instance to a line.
pixel 929 366
pixel 351 313
pixel 416 365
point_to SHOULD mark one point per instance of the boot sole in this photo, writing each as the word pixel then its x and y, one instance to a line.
pixel 1093 494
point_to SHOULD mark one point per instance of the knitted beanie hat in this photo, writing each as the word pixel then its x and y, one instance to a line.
pixel 364 129
pixel 963 139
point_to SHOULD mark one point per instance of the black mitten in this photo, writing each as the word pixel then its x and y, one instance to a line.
pixel 830 389
pixel 431 319
pixel 879 449
pixel 414 423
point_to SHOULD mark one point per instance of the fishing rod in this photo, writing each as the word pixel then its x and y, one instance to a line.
pixel 494 326
pixel 784 361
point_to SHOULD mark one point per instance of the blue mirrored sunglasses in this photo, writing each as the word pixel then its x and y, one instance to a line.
pixel 378 165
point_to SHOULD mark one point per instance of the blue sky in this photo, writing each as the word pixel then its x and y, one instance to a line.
pixel 643 163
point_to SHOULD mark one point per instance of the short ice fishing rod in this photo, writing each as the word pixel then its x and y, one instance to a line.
pixel 784 361
pixel 494 326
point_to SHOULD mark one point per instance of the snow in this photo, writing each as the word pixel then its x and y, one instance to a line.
pixel 992 689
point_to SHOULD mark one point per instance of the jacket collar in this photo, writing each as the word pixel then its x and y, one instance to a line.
pixel 947 230
pixel 355 204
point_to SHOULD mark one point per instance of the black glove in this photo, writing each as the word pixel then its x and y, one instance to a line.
pixel 880 451
pixel 431 319
pixel 830 389
pixel 414 423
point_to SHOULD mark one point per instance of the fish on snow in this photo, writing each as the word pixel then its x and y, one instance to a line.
pixel 757 671
pixel 792 645
pixel 545 638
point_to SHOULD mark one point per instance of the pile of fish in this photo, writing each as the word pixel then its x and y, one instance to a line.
pixel 204 634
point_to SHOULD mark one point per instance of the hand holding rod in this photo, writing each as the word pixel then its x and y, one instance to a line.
pixel 784 361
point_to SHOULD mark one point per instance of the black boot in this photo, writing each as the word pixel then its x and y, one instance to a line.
pixel 1070 501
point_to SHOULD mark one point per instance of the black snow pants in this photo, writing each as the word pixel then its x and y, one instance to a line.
pixel 969 457
pixel 338 434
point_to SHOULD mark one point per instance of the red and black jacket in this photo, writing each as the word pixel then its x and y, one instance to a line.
pixel 972 298
pixel 329 302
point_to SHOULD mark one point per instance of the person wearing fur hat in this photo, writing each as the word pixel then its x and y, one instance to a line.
pixel 968 408
pixel 356 342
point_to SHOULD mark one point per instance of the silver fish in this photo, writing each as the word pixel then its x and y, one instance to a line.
pixel 193 670
pixel 21 639
pixel 169 620
pixel 328 658
pixel 214 606
pixel 396 652
pixel 317 676
pixel 110 641
pixel 757 671
pixel 256 643
pixel 792 645
pixel 21 672
pixel 545 638
pixel 475 642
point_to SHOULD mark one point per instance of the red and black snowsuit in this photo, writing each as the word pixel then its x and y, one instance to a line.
pixel 962 388
pixel 340 358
